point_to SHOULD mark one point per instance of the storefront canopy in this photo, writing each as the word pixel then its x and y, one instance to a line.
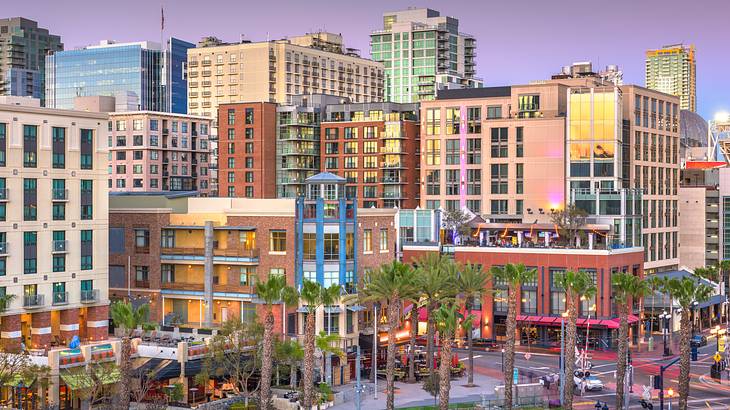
pixel 79 379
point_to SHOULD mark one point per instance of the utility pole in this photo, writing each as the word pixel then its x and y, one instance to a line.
pixel 358 386
pixel 374 360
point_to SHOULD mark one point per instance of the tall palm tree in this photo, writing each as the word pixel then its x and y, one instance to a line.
pixel 576 285
pixel 387 285
pixel 436 282
pixel 291 353
pixel 313 295
pixel 626 288
pixel 514 276
pixel 686 291
pixel 127 318
pixel 470 284
pixel 327 345
pixel 447 319
pixel 271 292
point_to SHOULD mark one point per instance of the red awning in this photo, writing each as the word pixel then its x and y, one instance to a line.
pixel 610 324
pixel 546 320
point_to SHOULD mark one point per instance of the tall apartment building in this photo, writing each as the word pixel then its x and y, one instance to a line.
pixel 700 214
pixel 423 52
pixel 23 50
pixel 375 147
pixel 53 225
pixel 274 71
pixel 672 70
pixel 157 151
pixel 247 150
pixel 609 150
pixel 141 75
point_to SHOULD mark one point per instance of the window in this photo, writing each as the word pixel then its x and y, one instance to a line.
pixel 452 152
pixel 248 192
pixel 30 146
pixel 231 117
pixel 331 246
pixel 86 199
pixel 86 249
pixel 474 181
pixel 309 246
pixel 3 144
pixel 557 293
pixel 519 174
pixel 30 252
pixel 249 162
pixel 499 206
pixel 433 121
pixel 154 125
pixel 277 241
pixel 332 323
pixel 30 199
pixel 499 178
pixel 499 142
pixel 519 137
pixel 331 278
pixel 474 120
pixel 494 112
pixel 142 276
pixel 59 147
pixel 142 238
pixel 474 151
pixel 350 133
pixel 433 152
pixel 248 116
pixel 453 121
pixel 277 272
pixel 367 241
pixel 167 238
pixel 433 182
pixel 384 240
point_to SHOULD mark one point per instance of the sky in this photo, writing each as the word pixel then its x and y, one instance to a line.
pixel 517 40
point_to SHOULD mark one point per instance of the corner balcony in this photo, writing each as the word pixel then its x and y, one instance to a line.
pixel 219 255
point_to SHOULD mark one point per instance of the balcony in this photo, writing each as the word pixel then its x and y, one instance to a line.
pixel 60 246
pixel 394 180
pixel 200 252
pixel 4 195
pixel 32 301
pixel 391 165
pixel 392 150
pixel 3 248
pixel 299 151
pixel 60 298
pixel 392 195
pixel 89 296
pixel 60 194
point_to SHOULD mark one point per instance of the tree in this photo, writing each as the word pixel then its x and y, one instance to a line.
pixel 313 295
pixel 447 320
pixel 435 281
pixel 388 285
pixel 291 353
pixel 626 288
pixel 127 318
pixel 470 285
pixel 457 221
pixel 577 285
pixel 95 384
pixel 686 291
pixel 569 222
pixel 327 345
pixel 513 276
pixel 271 292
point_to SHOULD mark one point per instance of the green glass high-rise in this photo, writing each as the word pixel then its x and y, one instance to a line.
pixel 423 52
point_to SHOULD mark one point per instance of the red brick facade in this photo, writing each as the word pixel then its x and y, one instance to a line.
pixel 40 331
pixel 69 324
pixel 251 147
pixel 97 320
pixel 11 335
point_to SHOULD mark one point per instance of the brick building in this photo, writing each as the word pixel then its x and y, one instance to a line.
pixel 376 148
pixel 247 150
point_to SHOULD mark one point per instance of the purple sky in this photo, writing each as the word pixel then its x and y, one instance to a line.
pixel 517 40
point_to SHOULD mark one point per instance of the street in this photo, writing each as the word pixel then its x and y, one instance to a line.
pixel 703 390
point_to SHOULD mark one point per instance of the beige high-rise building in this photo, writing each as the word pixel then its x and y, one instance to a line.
pixel 274 71
pixel 53 225
pixel 672 70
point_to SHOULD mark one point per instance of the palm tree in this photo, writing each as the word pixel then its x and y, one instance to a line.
pixel 313 295
pixel 127 318
pixel 271 292
pixel 514 276
pixel 414 332
pixel 436 282
pixel 686 291
pixel 388 285
pixel 447 321
pixel 626 288
pixel 576 285
pixel 327 345
pixel 291 353
pixel 470 284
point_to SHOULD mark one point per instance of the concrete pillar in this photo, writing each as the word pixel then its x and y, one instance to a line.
pixel 97 322
pixel 10 334
pixel 40 331
pixel 208 278
pixel 590 240
pixel 519 238
pixel 69 324
pixel 547 239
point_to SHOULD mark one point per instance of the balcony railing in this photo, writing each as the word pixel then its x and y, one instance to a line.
pixel 4 194
pixel 3 248
pixel 60 246
pixel 240 253
pixel 60 298
pixel 60 194
pixel 32 301
pixel 393 180
pixel 89 296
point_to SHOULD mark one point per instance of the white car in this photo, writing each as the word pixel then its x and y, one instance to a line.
pixel 592 383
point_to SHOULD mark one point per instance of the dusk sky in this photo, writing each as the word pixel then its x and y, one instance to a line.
pixel 517 40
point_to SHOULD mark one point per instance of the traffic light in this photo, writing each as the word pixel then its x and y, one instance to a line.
pixel 657 382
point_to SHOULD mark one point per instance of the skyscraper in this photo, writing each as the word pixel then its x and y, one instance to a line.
pixel 141 75
pixel 672 70
pixel 423 52
pixel 23 50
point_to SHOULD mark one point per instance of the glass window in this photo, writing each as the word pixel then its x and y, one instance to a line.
pixel 277 241
pixel 383 239
pixel 367 240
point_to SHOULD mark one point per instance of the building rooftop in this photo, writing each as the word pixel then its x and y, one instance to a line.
pixel 484 92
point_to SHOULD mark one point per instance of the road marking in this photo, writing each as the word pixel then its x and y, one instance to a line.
pixel 600 395
pixel 604 365
pixel 466 358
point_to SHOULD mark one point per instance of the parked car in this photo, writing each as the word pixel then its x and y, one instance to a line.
pixel 487 344
pixel 593 383
pixel 698 341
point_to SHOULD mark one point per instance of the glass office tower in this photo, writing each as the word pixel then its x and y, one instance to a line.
pixel 137 73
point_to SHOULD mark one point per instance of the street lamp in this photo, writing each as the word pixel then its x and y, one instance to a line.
pixel 670 394
pixel 664 316
pixel 693 306
pixel 562 358
pixel 502 360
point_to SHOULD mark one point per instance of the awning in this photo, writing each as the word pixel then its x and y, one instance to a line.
pixel 143 367
pixel 79 379
pixel 332 309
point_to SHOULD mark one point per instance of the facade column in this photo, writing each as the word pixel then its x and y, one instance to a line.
pixel 97 322
pixel 10 334
pixel 69 324
pixel 40 331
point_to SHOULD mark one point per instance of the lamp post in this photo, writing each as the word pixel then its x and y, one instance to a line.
pixel 562 358
pixel 665 317
pixel 693 306
pixel 670 394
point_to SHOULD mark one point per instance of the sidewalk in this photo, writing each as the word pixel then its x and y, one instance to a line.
pixel 409 395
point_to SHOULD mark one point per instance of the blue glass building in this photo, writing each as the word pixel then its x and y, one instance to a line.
pixel 142 72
